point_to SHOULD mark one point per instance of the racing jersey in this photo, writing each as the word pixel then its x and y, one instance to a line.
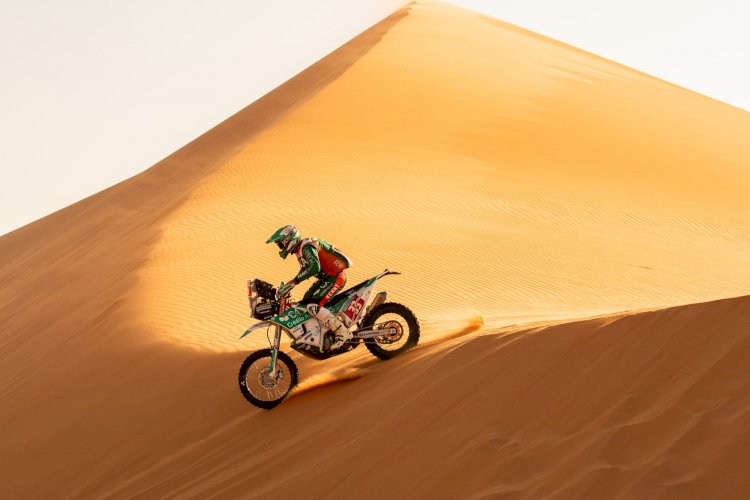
pixel 316 256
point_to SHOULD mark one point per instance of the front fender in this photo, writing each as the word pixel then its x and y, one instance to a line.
pixel 289 321
pixel 257 326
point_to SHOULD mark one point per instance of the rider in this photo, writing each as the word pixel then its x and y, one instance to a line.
pixel 322 260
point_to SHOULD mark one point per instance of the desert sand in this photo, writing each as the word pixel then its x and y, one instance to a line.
pixel 574 236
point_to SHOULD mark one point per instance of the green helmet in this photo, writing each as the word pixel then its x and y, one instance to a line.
pixel 286 238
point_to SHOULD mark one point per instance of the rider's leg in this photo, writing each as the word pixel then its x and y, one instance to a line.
pixel 330 320
pixel 316 292
pixel 322 291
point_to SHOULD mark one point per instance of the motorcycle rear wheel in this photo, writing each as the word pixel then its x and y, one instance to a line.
pixel 394 316
pixel 256 384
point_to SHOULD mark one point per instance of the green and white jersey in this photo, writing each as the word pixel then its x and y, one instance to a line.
pixel 316 256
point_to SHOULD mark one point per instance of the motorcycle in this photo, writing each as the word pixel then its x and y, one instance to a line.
pixel 267 376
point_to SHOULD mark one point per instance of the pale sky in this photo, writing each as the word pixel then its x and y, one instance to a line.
pixel 95 91
pixel 702 45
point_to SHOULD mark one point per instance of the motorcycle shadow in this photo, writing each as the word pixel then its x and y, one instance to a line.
pixel 323 381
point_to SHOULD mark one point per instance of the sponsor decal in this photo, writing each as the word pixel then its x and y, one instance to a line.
pixel 355 307
pixel 332 292
pixel 293 317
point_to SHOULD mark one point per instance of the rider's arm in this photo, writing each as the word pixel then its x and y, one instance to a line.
pixel 311 265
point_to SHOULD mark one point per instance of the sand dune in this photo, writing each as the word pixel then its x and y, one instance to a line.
pixel 549 183
pixel 513 180
pixel 640 405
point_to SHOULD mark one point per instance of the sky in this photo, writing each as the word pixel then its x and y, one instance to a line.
pixel 93 92
pixel 702 45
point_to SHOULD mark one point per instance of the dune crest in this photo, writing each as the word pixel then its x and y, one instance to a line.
pixel 512 179
pixel 550 183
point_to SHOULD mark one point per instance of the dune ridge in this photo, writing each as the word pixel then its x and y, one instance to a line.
pixel 518 183
pixel 550 184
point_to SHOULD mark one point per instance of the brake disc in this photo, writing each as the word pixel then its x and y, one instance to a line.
pixel 390 338
pixel 265 379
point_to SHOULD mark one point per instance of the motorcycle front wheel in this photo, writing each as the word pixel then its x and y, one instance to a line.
pixel 257 384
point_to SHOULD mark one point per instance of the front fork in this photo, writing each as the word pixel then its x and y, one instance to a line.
pixel 276 341
pixel 274 351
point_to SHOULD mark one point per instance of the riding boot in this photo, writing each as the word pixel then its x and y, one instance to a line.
pixel 335 325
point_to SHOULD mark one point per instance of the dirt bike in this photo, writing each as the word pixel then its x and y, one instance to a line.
pixel 267 376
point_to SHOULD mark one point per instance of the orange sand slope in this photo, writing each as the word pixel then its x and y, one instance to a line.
pixel 506 175
pixel 641 405
pixel 512 179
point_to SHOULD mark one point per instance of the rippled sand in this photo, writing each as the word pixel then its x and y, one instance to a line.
pixel 516 182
